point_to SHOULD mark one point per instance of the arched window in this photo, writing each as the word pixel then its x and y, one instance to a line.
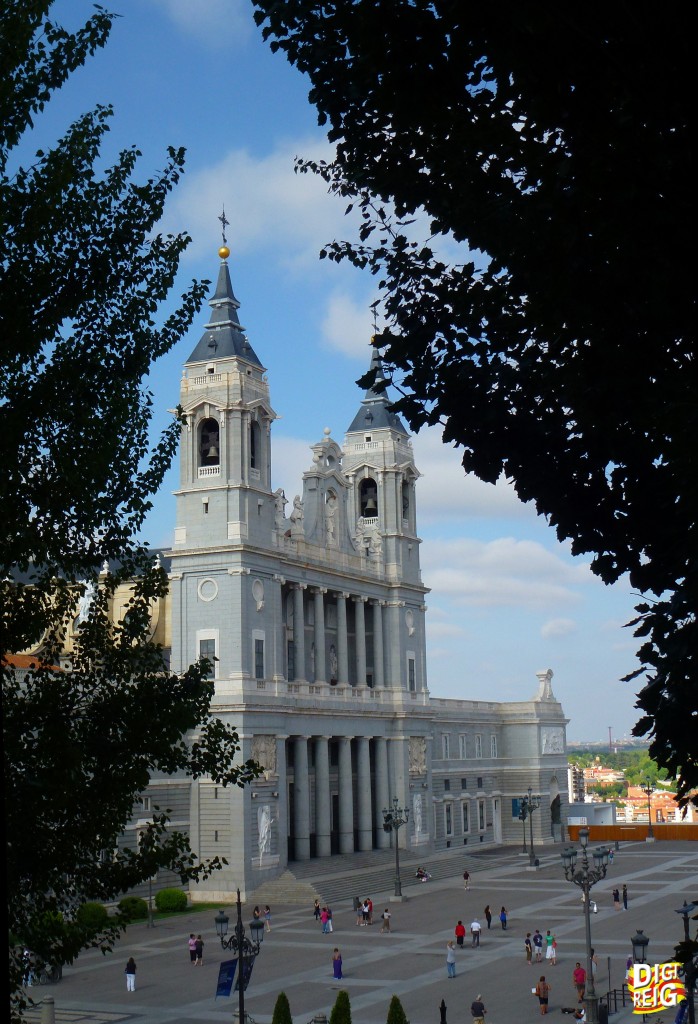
pixel 368 499
pixel 209 443
pixel 405 500
pixel 255 445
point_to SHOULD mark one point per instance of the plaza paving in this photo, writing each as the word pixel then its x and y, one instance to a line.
pixel 295 957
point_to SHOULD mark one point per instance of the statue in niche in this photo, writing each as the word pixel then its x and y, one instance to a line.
pixel 264 821
pixel 418 755
pixel 264 753
pixel 280 503
pixel 296 517
pixel 417 813
pixel 331 518
pixel 85 603
pixel 333 664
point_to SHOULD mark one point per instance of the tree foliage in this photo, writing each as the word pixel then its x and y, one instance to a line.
pixel 396 1012
pixel 341 1011
pixel 282 1010
pixel 83 272
pixel 547 321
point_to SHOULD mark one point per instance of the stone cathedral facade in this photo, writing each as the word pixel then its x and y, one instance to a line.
pixel 313 609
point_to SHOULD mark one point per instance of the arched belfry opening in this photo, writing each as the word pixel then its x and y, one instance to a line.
pixel 368 498
pixel 209 443
pixel 255 445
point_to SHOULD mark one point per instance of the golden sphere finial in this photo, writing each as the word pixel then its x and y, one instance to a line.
pixel 224 252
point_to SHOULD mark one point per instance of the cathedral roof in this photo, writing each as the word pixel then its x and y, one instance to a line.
pixel 376 409
pixel 223 336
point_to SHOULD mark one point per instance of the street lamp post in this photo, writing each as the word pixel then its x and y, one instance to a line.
pixel 687 952
pixel 529 804
pixel 241 946
pixel 585 877
pixel 393 820
pixel 523 814
pixel 647 790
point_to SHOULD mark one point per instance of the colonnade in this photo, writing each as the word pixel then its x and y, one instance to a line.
pixel 359 806
pixel 342 651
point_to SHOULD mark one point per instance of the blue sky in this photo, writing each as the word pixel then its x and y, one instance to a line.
pixel 506 598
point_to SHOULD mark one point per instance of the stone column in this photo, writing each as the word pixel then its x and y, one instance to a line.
pixel 378 673
pixel 382 790
pixel 360 634
pixel 301 783
pixel 342 644
pixel 363 790
pixel 298 632
pixel 319 634
pixel 323 814
pixel 282 806
pixel 346 797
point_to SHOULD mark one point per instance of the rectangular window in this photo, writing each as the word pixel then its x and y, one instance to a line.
pixel 446 746
pixel 207 649
pixel 481 815
pixel 259 659
pixel 462 748
pixel 493 746
pixel 291 661
pixel 466 816
pixel 411 675
pixel 479 782
pixel 463 783
pixel 447 785
pixel 448 819
pixel 478 746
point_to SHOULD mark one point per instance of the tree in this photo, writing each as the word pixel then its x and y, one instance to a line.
pixel 282 1010
pixel 550 158
pixel 82 277
pixel 396 1013
pixel 341 1011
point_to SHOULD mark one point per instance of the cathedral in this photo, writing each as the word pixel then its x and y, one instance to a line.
pixel 312 611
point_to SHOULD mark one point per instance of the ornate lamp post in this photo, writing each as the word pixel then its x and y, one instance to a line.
pixel 687 953
pixel 585 877
pixel 393 820
pixel 639 942
pixel 530 803
pixel 523 814
pixel 244 949
pixel 647 790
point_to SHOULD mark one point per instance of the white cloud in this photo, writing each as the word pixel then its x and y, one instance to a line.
pixel 444 629
pixel 291 458
pixel 554 628
pixel 347 326
pixel 218 24
pixel 273 212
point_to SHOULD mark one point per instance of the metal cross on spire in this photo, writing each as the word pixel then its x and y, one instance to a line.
pixel 224 224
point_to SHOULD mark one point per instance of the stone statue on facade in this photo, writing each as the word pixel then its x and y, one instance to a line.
pixel 331 518
pixel 375 547
pixel 417 813
pixel 280 503
pixel 264 753
pixel 296 517
pixel 418 755
pixel 85 603
pixel 264 821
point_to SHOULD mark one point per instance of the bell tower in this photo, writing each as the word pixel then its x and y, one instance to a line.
pixel 224 494
pixel 379 463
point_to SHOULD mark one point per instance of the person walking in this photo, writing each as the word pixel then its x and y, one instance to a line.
pixel 538 946
pixel 364 912
pixel 625 897
pixel 199 947
pixel 478 1011
pixel 192 948
pixel 330 926
pixel 528 946
pixel 550 947
pixel 542 990
pixel 337 964
pixel 130 973
pixel 450 959
pixel 488 915
pixel 316 910
pixel 579 980
pixel 475 929
pixel 466 880
pixel 616 899
pixel 267 917
pixel 503 918
pixel 385 918
pixel 460 934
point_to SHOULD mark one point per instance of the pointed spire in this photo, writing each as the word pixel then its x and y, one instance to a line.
pixel 224 335
pixel 376 409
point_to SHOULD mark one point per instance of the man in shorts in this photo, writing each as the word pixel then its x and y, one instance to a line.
pixel 478 1010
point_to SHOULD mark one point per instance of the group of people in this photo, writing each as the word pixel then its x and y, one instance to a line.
pixel 422 874
pixel 617 897
pixel 364 910
pixel 257 914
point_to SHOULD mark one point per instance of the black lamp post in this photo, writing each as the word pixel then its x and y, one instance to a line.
pixel 530 803
pixel 639 942
pixel 393 820
pixel 689 961
pixel 647 790
pixel 242 947
pixel 585 877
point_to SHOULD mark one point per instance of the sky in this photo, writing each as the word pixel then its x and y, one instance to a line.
pixel 507 599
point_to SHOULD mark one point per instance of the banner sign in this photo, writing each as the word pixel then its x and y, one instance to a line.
pixel 245 973
pixel 655 987
pixel 226 974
